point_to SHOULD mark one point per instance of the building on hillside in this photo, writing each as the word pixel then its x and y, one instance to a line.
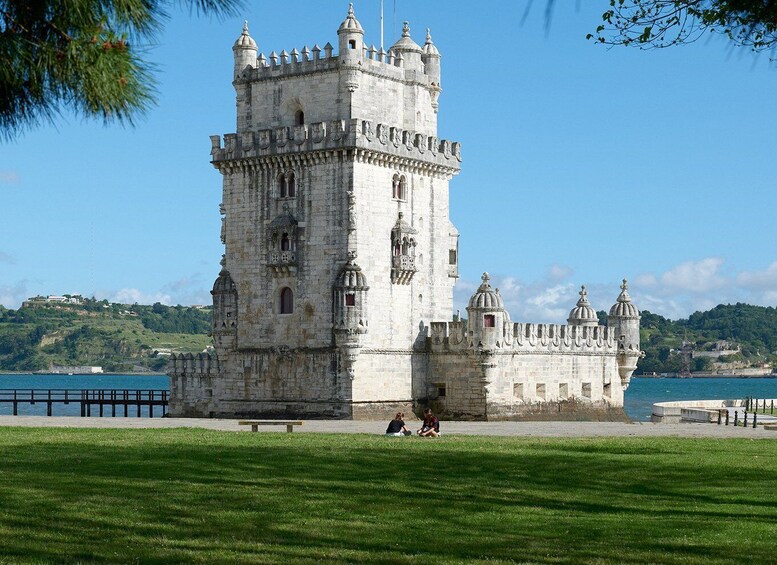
pixel 336 289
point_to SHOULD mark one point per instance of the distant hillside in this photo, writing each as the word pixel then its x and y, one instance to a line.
pixel 724 338
pixel 117 337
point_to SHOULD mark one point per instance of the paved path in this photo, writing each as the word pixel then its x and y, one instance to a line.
pixel 537 429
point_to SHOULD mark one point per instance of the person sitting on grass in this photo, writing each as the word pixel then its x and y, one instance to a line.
pixel 431 425
pixel 397 426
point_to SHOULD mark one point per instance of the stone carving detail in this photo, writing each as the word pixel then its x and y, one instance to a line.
pixel 318 132
pixel 265 138
pixel 281 136
pixel 367 129
pixel 383 134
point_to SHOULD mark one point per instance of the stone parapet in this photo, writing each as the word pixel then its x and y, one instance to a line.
pixel 556 338
pixel 376 143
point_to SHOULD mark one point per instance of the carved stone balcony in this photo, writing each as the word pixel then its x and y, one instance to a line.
pixel 402 269
pixel 282 262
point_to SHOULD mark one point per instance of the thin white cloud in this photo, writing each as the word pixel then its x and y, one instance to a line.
pixel 12 296
pixel 9 177
pixel 695 276
pixel 7 258
pixel 760 280
pixel 133 296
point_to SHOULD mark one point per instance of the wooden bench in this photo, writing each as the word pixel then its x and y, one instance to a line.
pixel 256 423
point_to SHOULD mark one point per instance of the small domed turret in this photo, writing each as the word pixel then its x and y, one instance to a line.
pixel 486 297
pixel 224 310
pixel 410 51
pixel 624 322
pixel 244 50
pixel 431 59
pixel 488 321
pixel 624 308
pixel 350 38
pixel 583 314
pixel 350 295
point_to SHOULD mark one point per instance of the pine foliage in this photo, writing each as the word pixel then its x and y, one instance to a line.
pixel 84 55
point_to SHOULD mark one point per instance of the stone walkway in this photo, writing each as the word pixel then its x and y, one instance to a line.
pixel 527 429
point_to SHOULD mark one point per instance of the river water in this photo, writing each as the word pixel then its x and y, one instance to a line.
pixel 640 396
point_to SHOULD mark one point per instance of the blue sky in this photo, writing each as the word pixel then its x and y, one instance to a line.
pixel 582 164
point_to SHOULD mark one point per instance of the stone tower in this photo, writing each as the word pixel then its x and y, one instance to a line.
pixel 339 250
pixel 624 319
pixel 336 289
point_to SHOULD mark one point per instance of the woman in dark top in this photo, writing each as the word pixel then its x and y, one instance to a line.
pixel 397 426
pixel 431 425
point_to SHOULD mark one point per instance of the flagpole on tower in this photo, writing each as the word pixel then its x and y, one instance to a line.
pixel 381 25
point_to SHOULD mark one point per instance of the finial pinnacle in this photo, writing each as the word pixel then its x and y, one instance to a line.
pixel 350 9
pixel 428 35
pixel 406 29
pixel 625 285
pixel 245 27
pixel 485 278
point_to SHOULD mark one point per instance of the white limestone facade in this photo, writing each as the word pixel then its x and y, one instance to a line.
pixel 340 260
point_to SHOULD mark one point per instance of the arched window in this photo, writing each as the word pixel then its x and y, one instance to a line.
pixel 287 301
pixel 291 183
pixel 352 44
pixel 397 249
pixel 402 193
pixel 489 321
pixel 285 242
pixel 282 187
pixel 395 187
pixel 299 118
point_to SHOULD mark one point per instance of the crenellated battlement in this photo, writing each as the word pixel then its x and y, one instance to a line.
pixel 187 364
pixel 526 337
pixel 337 134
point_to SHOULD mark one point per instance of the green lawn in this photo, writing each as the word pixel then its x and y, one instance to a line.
pixel 196 496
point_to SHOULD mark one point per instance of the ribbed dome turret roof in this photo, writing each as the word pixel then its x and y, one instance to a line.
pixel 406 43
pixel 350 23
pixel 351 277
pixel 486 297
pixel 245 41
pixel 624 307
pixel 429 47
pixel 224 282
pixel 583 314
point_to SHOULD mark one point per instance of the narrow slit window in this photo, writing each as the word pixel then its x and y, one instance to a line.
pixel 287 301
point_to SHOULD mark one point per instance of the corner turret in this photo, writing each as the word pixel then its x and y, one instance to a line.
pixel 408 50
pixel 224 310
pixel 583 314
pixel 488 321
pixel 244 50
pixel 350 38
pixel 431 59
pixel 624 320
pixel 350 312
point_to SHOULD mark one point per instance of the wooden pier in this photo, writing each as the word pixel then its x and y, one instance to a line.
pixel 130 402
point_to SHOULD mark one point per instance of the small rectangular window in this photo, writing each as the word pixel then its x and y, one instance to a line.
pixel 586 391
pixel 518 391
pixel 563 391
pixel 350 299
pixel 541 391
pixel 440 389
pixel 489 321
pixel 452 257
pixel 606 390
